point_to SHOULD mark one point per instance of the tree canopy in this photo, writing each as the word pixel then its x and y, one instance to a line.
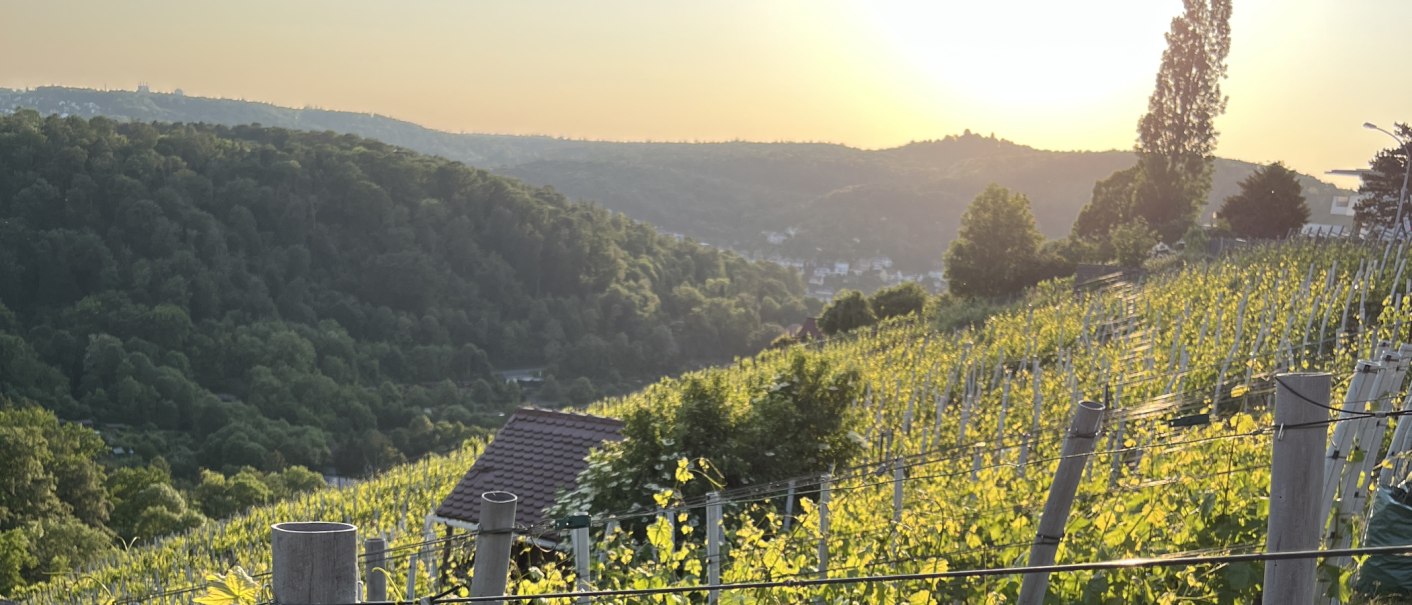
pixel 1170 183
pixel 1178 134
pixel 245 296
pixel 996 252
pixel 1270 204
pixel 1382 185
pixel 849 310
pixel 792 424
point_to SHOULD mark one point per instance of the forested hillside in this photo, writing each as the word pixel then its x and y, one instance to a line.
pixel 247 296
pixel 842 203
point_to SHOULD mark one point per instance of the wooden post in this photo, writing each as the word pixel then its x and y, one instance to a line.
pixel 495 533
pixel 1295 481
pixel 824 525
pixel 375 569
pixel 411 578
pixel 579 535
pixel 713 546
pixel 898 474
pixel 314 562
pixel 1078 445
pixel 789 507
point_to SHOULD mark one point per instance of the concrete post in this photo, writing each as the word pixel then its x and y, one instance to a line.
pixel 1078 445
pixel 579 536
pixel 1296 477
pixel 315 563
pixel 375 569
pixel 494 535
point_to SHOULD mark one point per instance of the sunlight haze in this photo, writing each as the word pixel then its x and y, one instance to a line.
pixel 1303 74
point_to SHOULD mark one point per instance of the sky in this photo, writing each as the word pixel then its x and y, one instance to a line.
pixel 1304 75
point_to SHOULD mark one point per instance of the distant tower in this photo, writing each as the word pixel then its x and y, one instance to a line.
pixel 142 87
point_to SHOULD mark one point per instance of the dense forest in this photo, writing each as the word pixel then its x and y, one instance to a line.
pixel 229 297
pixel 839 203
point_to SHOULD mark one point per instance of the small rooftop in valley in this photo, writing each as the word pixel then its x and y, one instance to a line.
pixel 534 456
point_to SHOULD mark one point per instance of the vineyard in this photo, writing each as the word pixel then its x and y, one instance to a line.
pixel 962 434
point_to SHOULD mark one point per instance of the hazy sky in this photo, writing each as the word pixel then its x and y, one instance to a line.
pixel 1304 74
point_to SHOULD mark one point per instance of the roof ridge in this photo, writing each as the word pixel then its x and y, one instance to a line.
pixel 566 412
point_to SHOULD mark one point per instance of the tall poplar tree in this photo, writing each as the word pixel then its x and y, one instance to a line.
pixel 1169 184
pixel 1177 135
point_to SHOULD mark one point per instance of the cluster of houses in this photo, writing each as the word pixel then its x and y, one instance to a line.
pixel 824 279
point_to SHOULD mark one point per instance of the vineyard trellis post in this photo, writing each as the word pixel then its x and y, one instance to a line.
pixel 899 474
pixel 1295 482
pixel 1358 389
pixel 789 507
pixel 314 562
pixel 375 562
pixel 494 536
pixel 1078 446
pixel 713 546
pixel 579 537
pixel 824 481
pixel 411 578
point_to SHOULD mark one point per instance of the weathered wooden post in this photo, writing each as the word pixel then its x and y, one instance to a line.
pixel 713 546
pixel 1296 479
pixel 315 563
pixel 494 535
pixel 1078 445
pixel 375 569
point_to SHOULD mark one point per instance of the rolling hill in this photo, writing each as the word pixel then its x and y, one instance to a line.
pixel 840 203
pixel 232 296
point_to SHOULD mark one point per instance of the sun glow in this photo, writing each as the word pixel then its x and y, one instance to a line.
pixel 1024 55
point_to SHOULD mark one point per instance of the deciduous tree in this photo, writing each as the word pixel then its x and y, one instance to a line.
pixel 997 249
pixel 849 310
pixel 1270 204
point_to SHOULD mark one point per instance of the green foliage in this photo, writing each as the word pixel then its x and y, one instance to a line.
pixel 903 203
pixel 899 300
pixel 996 252
pixel 791 423
pixel 16 556
pixel 1133 242
pixel 1177 135
pixel 220 496
pixel 1270 204
pixel 236 587
pixel 1110 206
pixel 848 311
pixel 1382 185
pixel 1193 488
pixel 245 296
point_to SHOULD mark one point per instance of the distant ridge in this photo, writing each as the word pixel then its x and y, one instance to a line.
pixel 841 203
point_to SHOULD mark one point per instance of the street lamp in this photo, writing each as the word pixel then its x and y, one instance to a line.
pixel 1406 160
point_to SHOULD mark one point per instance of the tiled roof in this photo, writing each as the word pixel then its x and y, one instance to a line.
pixel 534 456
